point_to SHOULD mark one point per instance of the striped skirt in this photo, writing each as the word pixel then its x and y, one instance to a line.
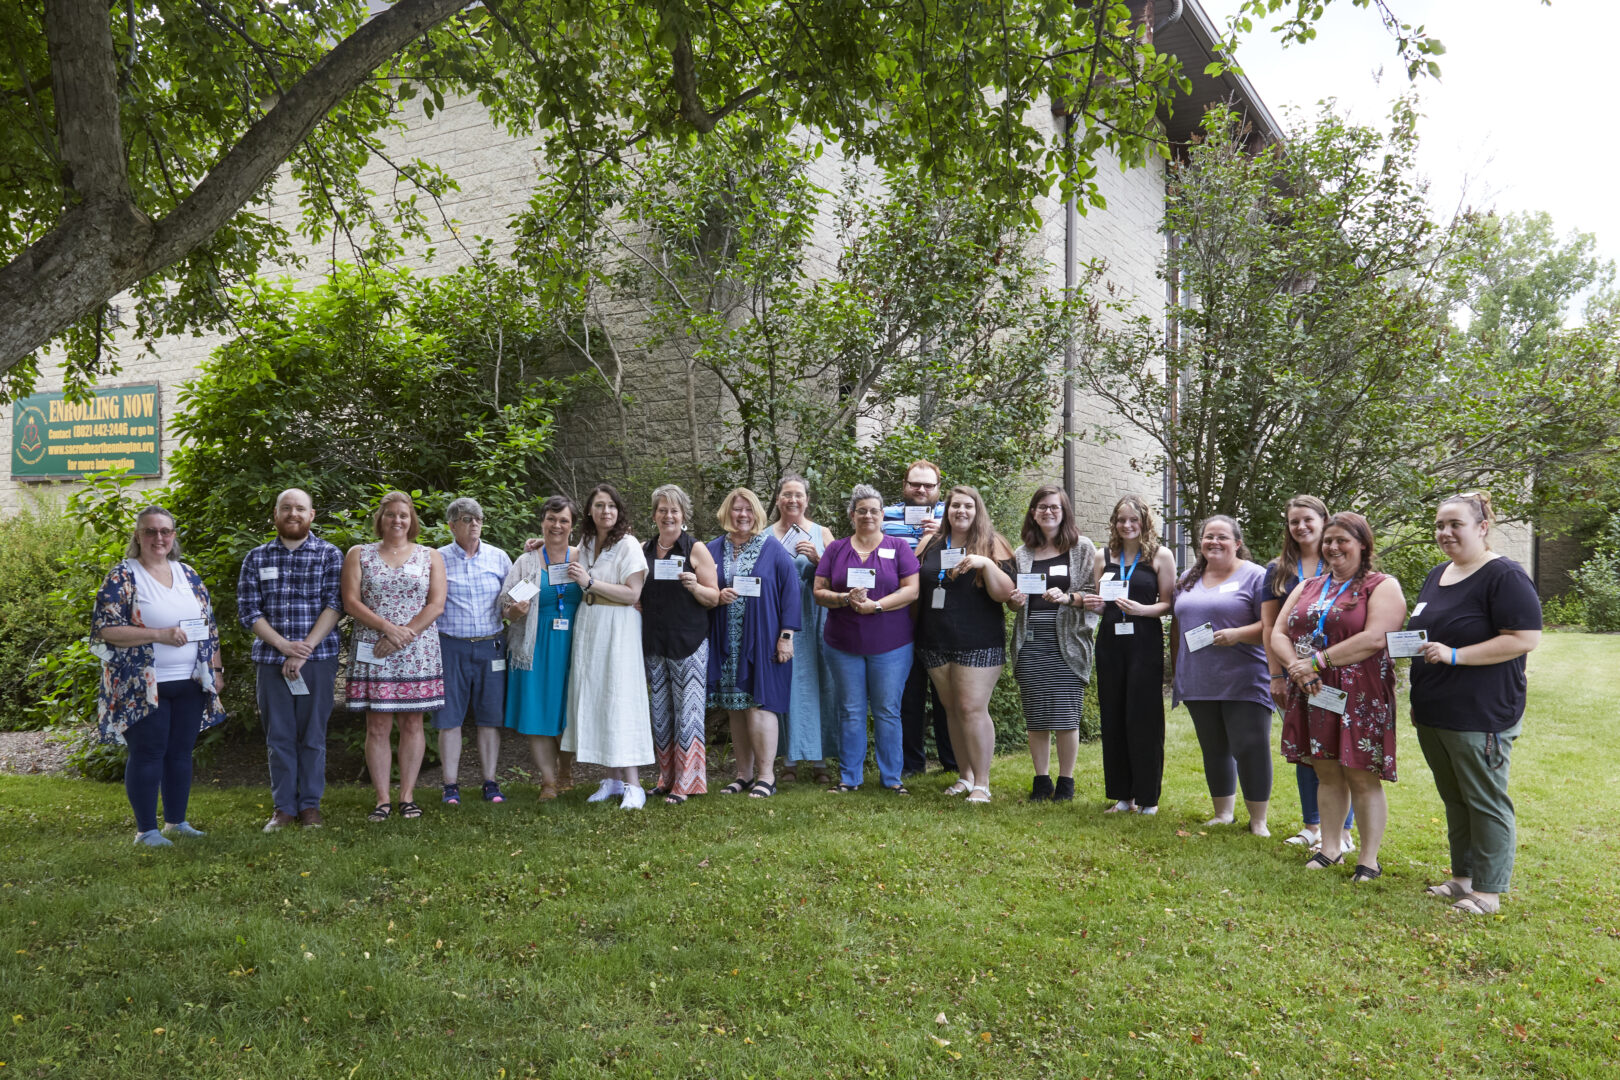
pixel 1051 694
pixel 677 693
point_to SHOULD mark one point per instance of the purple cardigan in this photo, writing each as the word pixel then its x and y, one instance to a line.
pixel 765 616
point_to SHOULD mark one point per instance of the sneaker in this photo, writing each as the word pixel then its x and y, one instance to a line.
pixel 1041 790
pixel 1146 811
pixel 310 817
pixel 279 821
pixel 153 838
pixel 609 788
pixel 635 797
pixel 1064 792
pixel 452 794
pixel 182 828
pixel 492 792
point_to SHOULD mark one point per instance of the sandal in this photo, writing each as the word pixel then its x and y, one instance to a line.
pixel 382 812
pixel 1449 890
pixel 789 775
pixel 452 794
pixel 1366 873
pixel 737 786
pixel 898 789
pixel 761 790
pixel 672 799
pixel 973 796
pixel 410 811
pixel 658 792
pixel 1320 861
pixel 961 787
pixel 822 777
pixel 1474 904
pixel 547 792
pixel 843 789
pixel 1305 838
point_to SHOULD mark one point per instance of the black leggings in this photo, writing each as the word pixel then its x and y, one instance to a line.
pixel 1235 737
pixel 1130 698
pixel 160 746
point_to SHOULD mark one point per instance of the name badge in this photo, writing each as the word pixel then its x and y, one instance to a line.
pixel 1113 590
pixel 939 599
pixel 557 574
pixel 1333 700
pixel 1032 584
pixel 297 687
pixel 667 569
pixel 1406 642
pixel 1419 609
pixel 523 590
pixel 951 558
pixel 559 624
pixel 194 629
pixel 1058 570
pixel 916 515
pixel 413 569
pixel 1230 586
pixel 498 665
pixel 1199 637
pixel 747 586
pixel 268 573
pixel 885 553
pixel 861 579
pixel 1125 628
pixel 366 652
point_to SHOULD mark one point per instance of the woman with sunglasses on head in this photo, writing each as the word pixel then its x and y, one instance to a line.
pixel 1301 559
pixel 1052 636
pixel 1481 614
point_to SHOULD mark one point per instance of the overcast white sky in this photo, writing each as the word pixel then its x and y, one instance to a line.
pixel 1516 119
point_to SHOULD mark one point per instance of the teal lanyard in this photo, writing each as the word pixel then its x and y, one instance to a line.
pixel 545 557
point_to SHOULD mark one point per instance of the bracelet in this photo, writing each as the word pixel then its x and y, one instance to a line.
pixel 1279 675
pixel 1453 657
pixel 590 583
pixel 1316 661
pixel 1327 661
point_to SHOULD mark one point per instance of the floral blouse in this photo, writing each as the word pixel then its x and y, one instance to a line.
pixel 129 687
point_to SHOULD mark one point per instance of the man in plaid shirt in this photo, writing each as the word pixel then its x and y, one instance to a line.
pixel 289 594
pixel 473 643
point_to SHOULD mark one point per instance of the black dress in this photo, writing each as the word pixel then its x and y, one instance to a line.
pixel 970 629
pixel 1130 692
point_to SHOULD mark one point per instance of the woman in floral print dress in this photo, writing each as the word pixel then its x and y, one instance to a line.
pixel 1333 628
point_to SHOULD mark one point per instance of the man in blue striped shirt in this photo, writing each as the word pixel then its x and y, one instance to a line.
pixel 921 502
pixel 474 648
pixel 290 596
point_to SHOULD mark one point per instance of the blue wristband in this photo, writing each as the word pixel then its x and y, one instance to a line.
pixel 1453 657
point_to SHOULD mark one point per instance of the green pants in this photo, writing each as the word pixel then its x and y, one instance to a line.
pixel 1471 773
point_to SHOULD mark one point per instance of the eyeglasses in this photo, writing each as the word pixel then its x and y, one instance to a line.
pixel 922 485
pixel 152 534
pixel 1049 509
pixel 470 520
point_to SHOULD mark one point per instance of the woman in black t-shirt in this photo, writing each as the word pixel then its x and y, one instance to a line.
pixel 1482 616
pixel 965 577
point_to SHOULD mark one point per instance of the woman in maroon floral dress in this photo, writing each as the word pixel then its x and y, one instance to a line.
pixel 1333 627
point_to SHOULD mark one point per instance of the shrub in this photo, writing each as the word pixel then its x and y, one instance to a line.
pixel 1566 610
pixel 33 621
pixel 1597 582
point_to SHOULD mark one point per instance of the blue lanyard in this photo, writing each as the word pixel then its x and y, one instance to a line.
pixel 1124 574
pixel 1318 567
pixel 1319 635
pixel 946 548
pixel 545 557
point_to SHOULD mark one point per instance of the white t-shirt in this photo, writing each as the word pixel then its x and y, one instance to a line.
pixel 170 606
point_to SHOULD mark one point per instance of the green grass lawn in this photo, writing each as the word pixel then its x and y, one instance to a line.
pixel 816 935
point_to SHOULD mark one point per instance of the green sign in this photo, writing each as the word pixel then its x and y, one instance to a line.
pixel 120 428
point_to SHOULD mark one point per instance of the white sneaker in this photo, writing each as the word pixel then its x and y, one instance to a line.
pixel 1146 811
pixel 1347 847
pixel 608 789
pixel 635 797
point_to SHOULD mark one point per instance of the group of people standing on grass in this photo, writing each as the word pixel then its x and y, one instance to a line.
pixel 611 650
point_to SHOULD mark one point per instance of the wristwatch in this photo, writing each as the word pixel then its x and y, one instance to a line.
pixel 878 604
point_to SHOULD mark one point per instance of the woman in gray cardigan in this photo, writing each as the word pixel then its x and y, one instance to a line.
pixel 1052 635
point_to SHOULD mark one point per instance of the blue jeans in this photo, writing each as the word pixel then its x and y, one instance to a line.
pixel 876 681
pixel 1305 777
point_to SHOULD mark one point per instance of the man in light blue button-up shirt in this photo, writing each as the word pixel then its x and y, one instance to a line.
pixel 474 648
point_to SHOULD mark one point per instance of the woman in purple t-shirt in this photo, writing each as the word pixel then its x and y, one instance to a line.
pixel 1221 670
pixel 867 581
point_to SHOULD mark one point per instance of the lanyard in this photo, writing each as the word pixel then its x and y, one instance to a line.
pixel 1319 635
pixel 1124 574
pixel 545 557
pixel 1318 567
pixel 946 548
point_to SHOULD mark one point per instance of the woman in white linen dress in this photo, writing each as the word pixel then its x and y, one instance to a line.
pixel 608 714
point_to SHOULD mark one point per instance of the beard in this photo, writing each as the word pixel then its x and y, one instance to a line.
pixel 291 530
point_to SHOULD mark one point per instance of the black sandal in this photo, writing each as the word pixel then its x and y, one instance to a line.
pixel 672 799
pixel 658 792
pixel 410 811
pixel 382 812
pixel 761 790
pixel 737 786
pixel 843 789
pixel 1321 860
pixel 1367 873
pixel 898 789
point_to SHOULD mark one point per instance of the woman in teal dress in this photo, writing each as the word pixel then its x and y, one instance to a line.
pixel 540 639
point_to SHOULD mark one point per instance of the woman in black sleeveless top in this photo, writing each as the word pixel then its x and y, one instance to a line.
pixel 1130 655
pixel 681 588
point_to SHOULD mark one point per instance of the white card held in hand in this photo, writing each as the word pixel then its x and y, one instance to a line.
pixel 1113 590
pixel 747 586
pixel 1200 637
pixel 523 590
pixel 861 579
pixel 297 687
pixel 1032 584
pixel 1406 642
pixel 365 652
pixel 951 558
pixel 195 629
pixel 667 569
pixel 557 574
pixel 1330 698
pixel 916 515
